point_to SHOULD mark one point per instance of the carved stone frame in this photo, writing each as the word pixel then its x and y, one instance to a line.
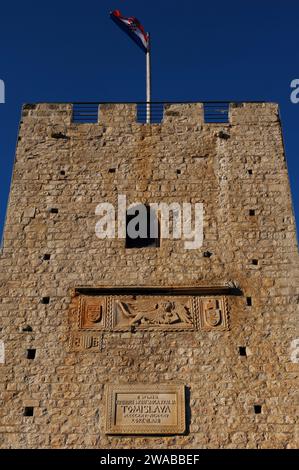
pixel 88 335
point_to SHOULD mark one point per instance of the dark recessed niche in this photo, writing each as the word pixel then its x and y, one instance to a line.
pixel 148 240
pixel 59 135
pixel 62 173
pixel 257 409
pixel 255 262
pixel 242 351
pixel 207 254
pixel 31 353
pixel 178 172
pixel 46 257
pixel 54 210
pixel 29 106
pixel 249 301
pixel 45 300
pixel 28 411
pixel 111 170
pixel 27 329
pixel 223 135
pixel 249 172
pixel 251 212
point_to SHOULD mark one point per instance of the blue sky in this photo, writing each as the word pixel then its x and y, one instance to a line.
pixel 71 51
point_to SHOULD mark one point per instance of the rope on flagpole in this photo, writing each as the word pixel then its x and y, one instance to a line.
pixel 148 82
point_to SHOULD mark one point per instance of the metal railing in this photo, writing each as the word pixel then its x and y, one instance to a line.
pixel 152 112
pixel 214 112
pixel 85 112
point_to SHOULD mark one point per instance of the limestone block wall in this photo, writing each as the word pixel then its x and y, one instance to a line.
pixel 233 169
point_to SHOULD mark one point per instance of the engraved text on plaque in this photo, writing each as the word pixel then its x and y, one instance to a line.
pixel 145 409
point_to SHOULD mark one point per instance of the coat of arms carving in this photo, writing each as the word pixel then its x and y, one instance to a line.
pixel 213 314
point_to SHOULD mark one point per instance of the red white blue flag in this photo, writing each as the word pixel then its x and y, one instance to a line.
pixel 133 28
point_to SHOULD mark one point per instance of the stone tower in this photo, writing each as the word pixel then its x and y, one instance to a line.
pixel 106 346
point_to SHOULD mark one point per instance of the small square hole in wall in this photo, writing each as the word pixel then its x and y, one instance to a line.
pixel 250 172
pixel 223 135
pixel 28 411
pixel 31 353
pixel 249 301
pixel 46 257
pixel 257 409
pixel 255 262
pixel 207 254
pixel 45 300
pixel 251 212
pixel 242 351
pixel 59 135
pixel 111 170
pixel 27 329
pixel 62 173
pixel 54 210
pixel 178 172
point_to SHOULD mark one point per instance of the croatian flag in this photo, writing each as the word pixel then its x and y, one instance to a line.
pixel 133 28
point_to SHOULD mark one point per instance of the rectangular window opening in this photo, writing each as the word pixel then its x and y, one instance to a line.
pixel 136 226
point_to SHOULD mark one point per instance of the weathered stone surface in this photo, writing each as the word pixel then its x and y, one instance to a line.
pixel 2 352
pixel 230 176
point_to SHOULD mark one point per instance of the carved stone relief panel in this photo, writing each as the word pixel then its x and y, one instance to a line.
pixel 92 315
pixel 153 312
pixel 85 341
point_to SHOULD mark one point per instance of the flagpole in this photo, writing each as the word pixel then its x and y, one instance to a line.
pixel 148 82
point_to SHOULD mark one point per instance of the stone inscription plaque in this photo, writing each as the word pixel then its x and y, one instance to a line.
pixel 145 409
